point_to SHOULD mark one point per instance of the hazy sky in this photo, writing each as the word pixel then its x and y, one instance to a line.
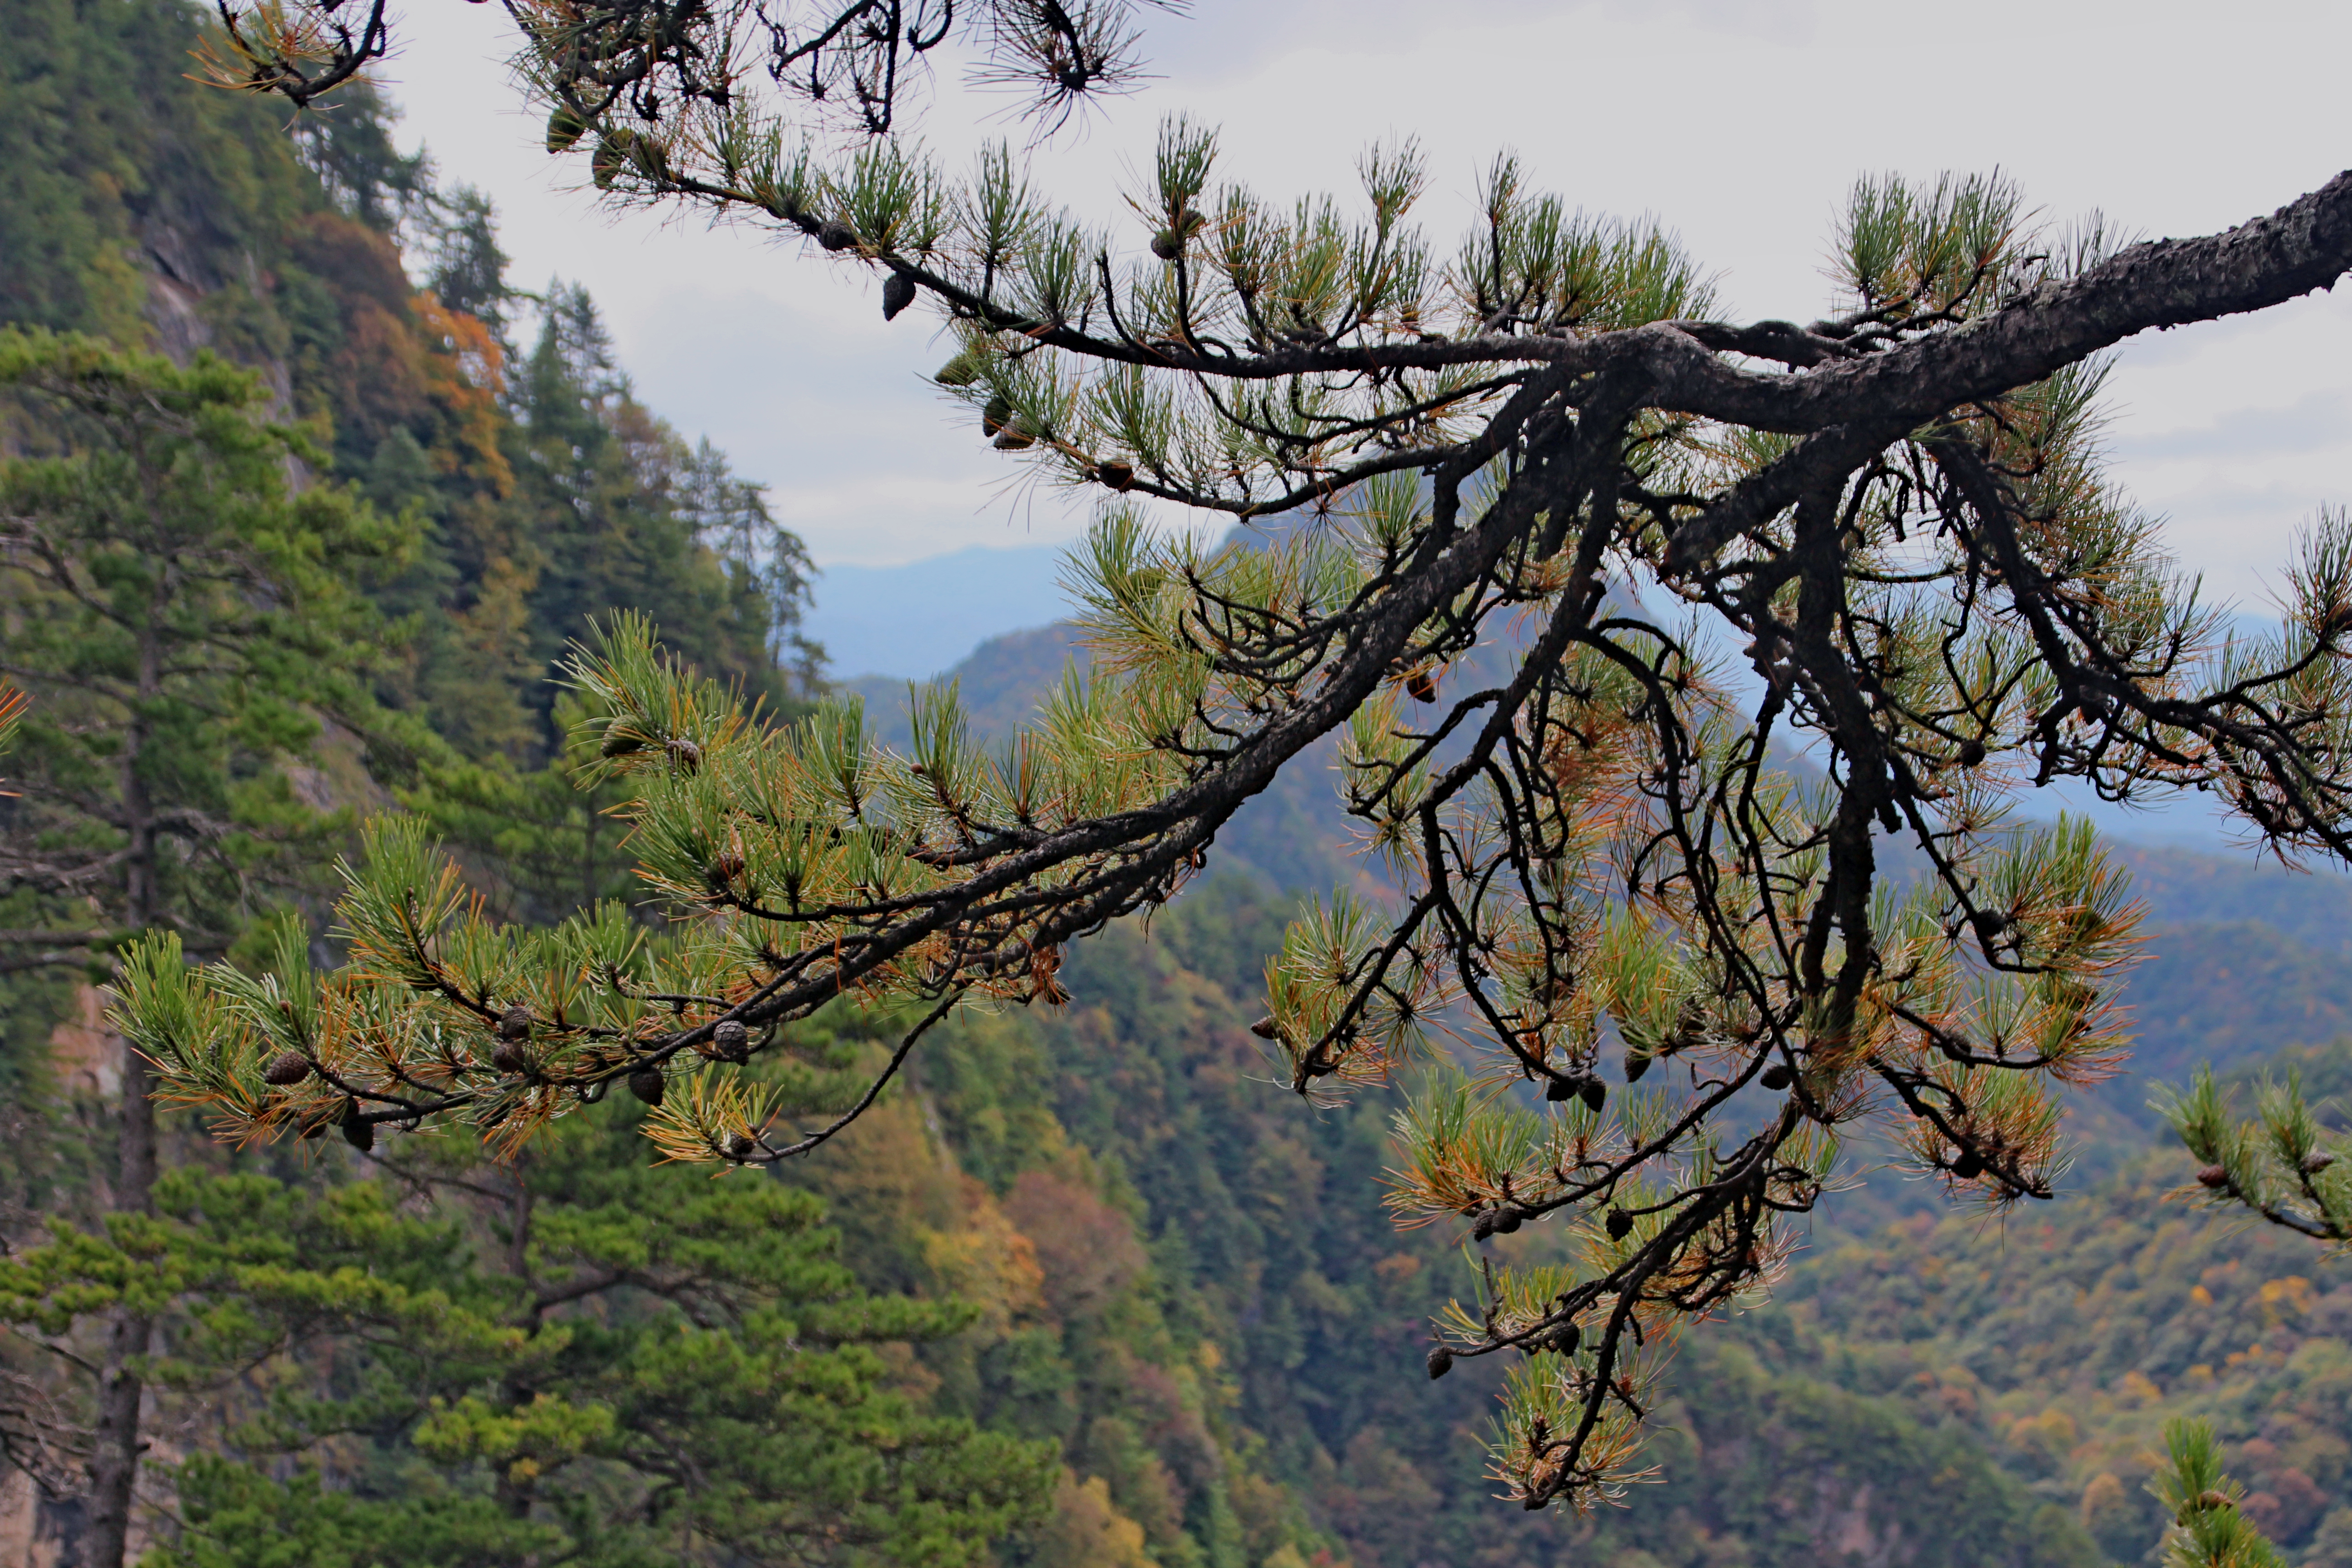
pixel 1740 124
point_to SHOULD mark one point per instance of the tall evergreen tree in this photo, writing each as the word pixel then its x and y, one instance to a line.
pixel 181 619
pixel 567 1358
pixel 1894 511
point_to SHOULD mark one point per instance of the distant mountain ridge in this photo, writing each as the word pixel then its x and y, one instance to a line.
pixel 2244 956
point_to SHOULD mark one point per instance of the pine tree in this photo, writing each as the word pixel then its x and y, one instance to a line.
pixel 1548 443
pixel 572 1357
pixel 180 618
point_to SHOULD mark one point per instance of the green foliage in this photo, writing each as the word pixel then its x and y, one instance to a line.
pixel 2276 1164
pixel 573 1356
pixel 2209 1530
pixel 181 618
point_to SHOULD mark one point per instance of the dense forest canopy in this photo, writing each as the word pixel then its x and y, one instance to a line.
pixel 1072 1287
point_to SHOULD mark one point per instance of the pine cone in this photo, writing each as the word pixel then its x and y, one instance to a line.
pixel 996 416
pixel 515 1024
pixel 620 742
pixel 612 156
pixel 2316 1161
pixel 731 1040
pixel 564 129
pixel 742 1146
pixel 1421 686
pixel 510 1056
pixel 286 1069
pixel 724 867
pixel 898 293
pixel 1620 1224
pixel 1566 1338
pixel 358 1132
pixel 1507 1221
pixel 2215 1176
pixel 1596 1094
pixel 1265 1029
pixel 1969 1166
pixel 1012 439
pixel 836 236
pixel 1637 1062
pixel 1167 244
pixel 1115 473
pixel 961 370
pixel 686 754
pixel 1441 1362
pixel 1559 1088
pixel 648 1085
pixel 1972 752
pixel 1777 1077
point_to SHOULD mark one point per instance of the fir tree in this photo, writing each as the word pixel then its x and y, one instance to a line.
pixel 1895 512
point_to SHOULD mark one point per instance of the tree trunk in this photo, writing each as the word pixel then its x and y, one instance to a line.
pixel 116 1446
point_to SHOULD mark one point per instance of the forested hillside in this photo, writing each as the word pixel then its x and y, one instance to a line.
pixel 1090 1290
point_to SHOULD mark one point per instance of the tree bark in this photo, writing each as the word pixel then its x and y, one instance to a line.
pixel 116 1444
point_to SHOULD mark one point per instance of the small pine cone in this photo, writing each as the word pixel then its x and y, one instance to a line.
pixel 2316 1162
pixel 741 1146
pixel 648 1084
pixel 359 1133
pixel 515 1024
pixel 1115 473
pixel 2215 1500
pixel 731 1040
pixel 1421 685
pixel 1482 1228
pixel 724 867
pixel 1167 244
pixel 1566 1338
pixel 286 1069
pixel 2215 1176
pixel 898 293
pixel 1777 1077
pixel 1972 753
pixel 510 1056
pixel 564 129
pixel 1620 1224
pixel 620 742
pixel 315 1128
pixel 836 236
pixel 996 416
pixel 1637 1062
pixel 1559 1088
pixel 1265 1029
pixel 610 157
pixel 1969 1166
pixel 686 754
pixel 1012 439
pixel 1441 1362
pixel 1507 1221
pixel 1596 1094
pixel 961 370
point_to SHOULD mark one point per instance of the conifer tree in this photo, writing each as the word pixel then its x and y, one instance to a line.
pixel 179 618
pixel 1679 971
pixel 566 1358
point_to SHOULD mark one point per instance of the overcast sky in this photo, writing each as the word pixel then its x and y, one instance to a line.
pixel 1740 124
